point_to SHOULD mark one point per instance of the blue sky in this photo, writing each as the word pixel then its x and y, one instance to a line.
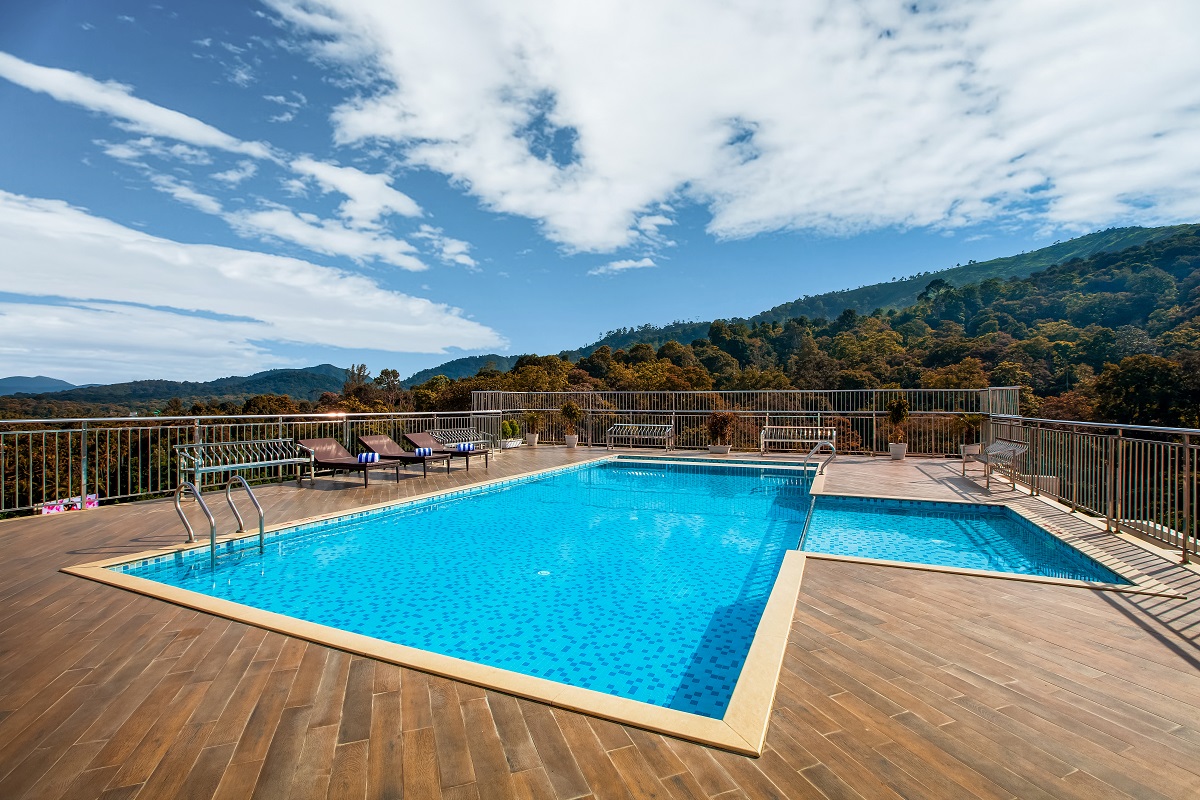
pixel 194 190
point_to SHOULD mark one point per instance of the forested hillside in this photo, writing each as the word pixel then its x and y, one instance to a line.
pixel 119 399
pixel 1115 336
pixel 898 293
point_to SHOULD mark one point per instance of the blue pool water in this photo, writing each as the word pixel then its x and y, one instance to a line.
pixel 948 534
pixel 645 581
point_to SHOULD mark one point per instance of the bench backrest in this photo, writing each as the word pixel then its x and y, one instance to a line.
pixel 251 452
pixel 633 429
pixel 793 433
pixel 457 435
pixel 1005 449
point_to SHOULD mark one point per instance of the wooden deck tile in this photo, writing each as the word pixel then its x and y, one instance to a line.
pixel 896 683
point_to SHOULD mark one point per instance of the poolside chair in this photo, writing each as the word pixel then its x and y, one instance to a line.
pixel 427 440
pixel 329 454
pixel 387 449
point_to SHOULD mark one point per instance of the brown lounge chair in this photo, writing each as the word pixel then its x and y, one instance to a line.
pixel 387 449
pixel 425 440
pixel 329 454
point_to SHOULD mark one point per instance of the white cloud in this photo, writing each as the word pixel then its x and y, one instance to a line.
pixel 144 306
pixel 235 175
pixel 614 267
pixel 330 237
pixel 186 194
pixel 359 234
pixel 833 117
pixel 292 104
pixel 451 251
pixel 117 100
pixel 280 223
pixel 368 196
pixel 134 150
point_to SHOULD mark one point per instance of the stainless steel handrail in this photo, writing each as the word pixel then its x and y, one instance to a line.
pixel 818 446
pixel 262 518
pixel 212 522
pixel 812 504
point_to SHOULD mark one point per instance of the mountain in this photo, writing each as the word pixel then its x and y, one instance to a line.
pixel 900 293
pixel 462 368
pixel 300 384
pixel 21 384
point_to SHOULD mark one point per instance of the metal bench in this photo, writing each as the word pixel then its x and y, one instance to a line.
pixel 632 435
pixel 795 434
pixel 208 457
pixel 453 436
pixel 1000 453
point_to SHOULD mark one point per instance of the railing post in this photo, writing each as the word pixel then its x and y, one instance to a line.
pixel 196 467
pixel 1118 479
pixel 1035 483
pixel 83 466
pixel 1188 477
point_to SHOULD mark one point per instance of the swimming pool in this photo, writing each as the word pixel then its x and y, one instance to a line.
pixel 965 535
pixel 646 581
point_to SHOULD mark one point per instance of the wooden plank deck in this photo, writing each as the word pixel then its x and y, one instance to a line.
pixel 897 683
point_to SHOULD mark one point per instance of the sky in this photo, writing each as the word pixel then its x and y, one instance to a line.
pixel 195 190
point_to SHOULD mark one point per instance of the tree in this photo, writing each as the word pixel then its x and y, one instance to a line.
pixel 357 376
pixel 1143 390
pixel 270 404
pixel 388 382
pixel 966 374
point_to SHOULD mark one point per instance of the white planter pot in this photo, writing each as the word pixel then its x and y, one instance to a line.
pixel 532 438
pixel 720 449
pixel 571 439
pixel 897 449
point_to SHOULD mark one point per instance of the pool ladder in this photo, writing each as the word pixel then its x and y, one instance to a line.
pixel 212 522
pixel 816 448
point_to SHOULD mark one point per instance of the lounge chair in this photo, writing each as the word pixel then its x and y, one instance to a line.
pixel 387 449
pixel 427 440
pixel 329 454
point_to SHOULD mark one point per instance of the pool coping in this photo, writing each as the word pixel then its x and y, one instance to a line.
pixel 742 729
pixel 1141 583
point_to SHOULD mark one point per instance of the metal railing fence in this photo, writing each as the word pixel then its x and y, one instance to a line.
pixel 1140 479
pixel 929 433
pixel 119 458
pixel 995 400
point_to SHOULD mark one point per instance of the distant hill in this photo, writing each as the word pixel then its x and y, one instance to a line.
pixel 300 384
pixel 898 294
pixel 901 293
pixel 21 384
pixel 462 368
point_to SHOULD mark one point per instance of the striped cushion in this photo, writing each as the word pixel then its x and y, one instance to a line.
pixel 465 447
pixel 424 451
pixel 368 458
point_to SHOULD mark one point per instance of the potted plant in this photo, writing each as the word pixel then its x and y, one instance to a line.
pixel 510 434
pixel 897 409
pixel 572 415
pixel 720 426
pixel 533 426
